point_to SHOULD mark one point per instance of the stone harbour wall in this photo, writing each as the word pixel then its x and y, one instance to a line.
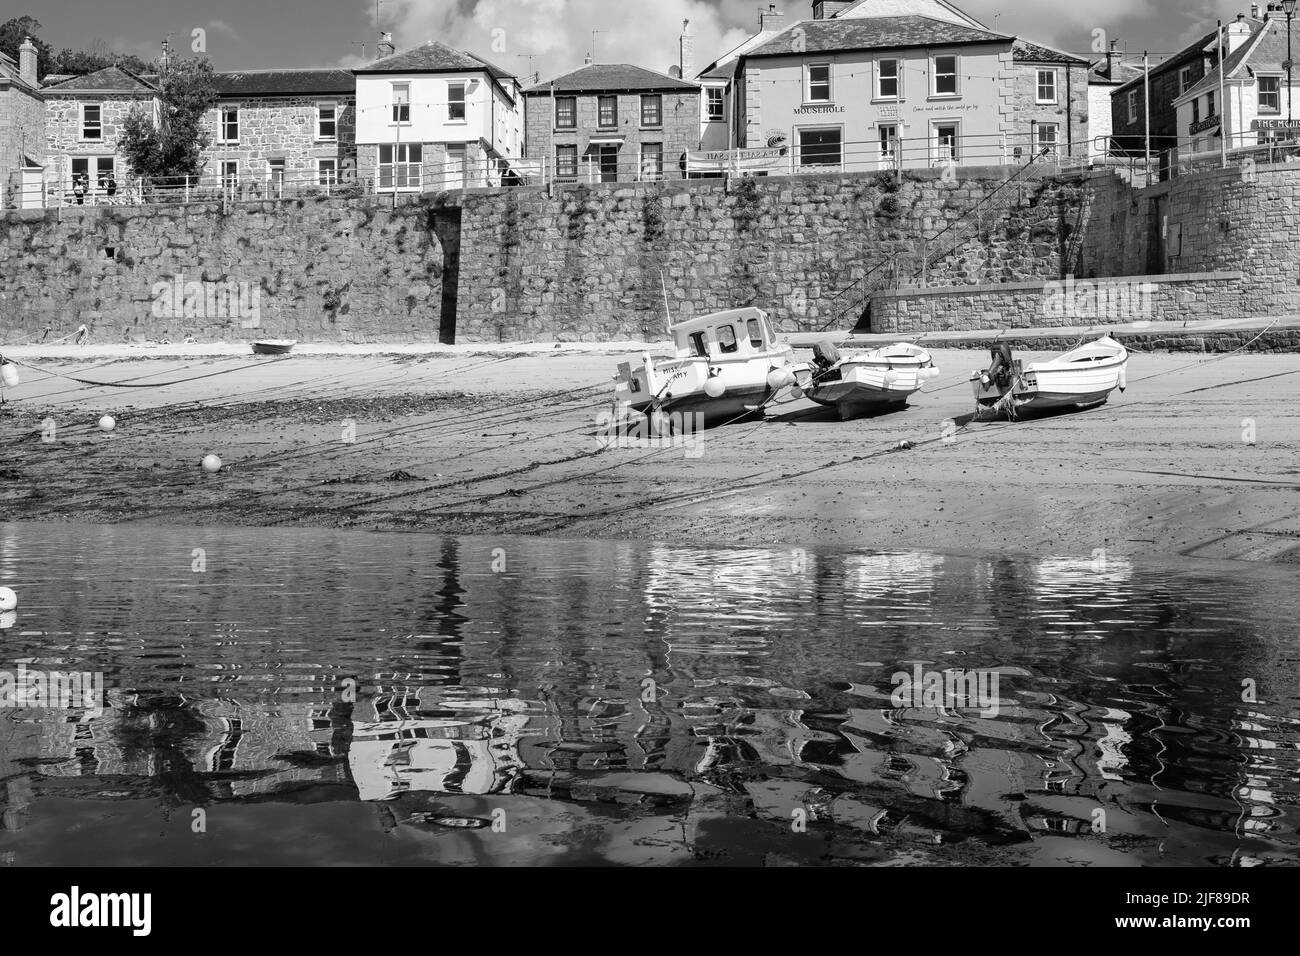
pixel 307 270
pixel 1058 304
pixel 596 263
pixel 593 263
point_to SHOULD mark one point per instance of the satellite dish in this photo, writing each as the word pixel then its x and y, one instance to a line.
pixel 675 72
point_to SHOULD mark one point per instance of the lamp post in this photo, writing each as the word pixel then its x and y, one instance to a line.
pixel 1288 6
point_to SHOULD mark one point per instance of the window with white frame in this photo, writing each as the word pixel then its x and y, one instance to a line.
pixel 401 102
pixel 92 122
pixel 229 172
pixel 717 104
pixel 817 83
pixel 652 161
pixel 1210 106
pixel 947 140
pixel 821 147
pixel 327 121
pixel 1185 79
pixel 1046 86
pixel 945 76
pixel 1196 112
pixel 400 165
pixel 229 131
pixel 1048 137
pixel 1133 106
pixel 1270 94
pixel 887 80
pixel 327 172
pixel 888 133
pixel 456 102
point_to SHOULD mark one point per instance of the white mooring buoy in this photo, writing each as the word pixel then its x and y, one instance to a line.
pixel 212 464
pixel 8 599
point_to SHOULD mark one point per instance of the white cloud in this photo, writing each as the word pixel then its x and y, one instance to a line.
pixel 221 26
pixel 558 33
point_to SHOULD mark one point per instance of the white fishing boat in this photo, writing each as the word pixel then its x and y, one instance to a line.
pixel 726 366
pixel 865 382
pixel 1084 377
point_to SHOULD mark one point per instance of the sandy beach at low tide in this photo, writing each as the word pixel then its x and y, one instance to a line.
pixel 505 442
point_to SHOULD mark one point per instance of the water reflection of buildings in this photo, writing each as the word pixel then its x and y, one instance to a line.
pixel 396 750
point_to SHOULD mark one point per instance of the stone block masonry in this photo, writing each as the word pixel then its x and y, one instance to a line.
pixel 585 263
pixel 1057 304
pixel 579 264
pixel 321 271
pixel 592 263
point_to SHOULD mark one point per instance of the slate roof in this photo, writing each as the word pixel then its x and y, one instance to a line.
pixel 1025 51
pixel 111 79
pixel 434 57
pixel 285 82
pixel 850 12
pixel 872 33
pixel 611 77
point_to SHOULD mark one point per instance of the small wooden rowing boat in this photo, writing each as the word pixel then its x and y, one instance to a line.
pixel 279 347
pixel 1084 377
pixel 866 382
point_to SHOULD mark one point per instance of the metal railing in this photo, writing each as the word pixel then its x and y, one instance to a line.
pixel 630 165
pixel 389 181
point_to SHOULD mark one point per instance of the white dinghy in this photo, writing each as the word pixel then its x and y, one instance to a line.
pixel 866 382
pixel 726 367
pixel 1084 377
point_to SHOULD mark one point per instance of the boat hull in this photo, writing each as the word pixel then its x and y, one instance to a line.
pixel 677 387
pixel 1084 378
pixel 873 382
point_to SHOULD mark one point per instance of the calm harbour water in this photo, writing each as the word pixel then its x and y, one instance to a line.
pixel 332 698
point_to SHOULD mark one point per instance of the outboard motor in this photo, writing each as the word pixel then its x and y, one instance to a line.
pixel 825 355
pixel 1001 369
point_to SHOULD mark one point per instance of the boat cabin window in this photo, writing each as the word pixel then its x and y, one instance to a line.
pixel 755 333
pixel 727 340
pixel 697 343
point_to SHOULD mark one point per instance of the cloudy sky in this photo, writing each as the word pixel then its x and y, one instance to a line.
pixel 557 34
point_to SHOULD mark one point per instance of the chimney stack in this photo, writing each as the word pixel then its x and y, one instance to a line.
pixel 385 46
pixel 589 61
pixel 1238 34
pixel 686 59
pixel 771 19
pixel 27 62
pixel 1111 53
pixel 1254 11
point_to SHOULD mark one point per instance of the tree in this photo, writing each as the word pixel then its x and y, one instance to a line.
pixel 12 33
pixel 81 62
pixel 173 150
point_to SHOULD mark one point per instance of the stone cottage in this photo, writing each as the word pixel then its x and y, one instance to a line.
pixel 84 116
pixel 22 128
pixel 613 122
pixel 272 128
